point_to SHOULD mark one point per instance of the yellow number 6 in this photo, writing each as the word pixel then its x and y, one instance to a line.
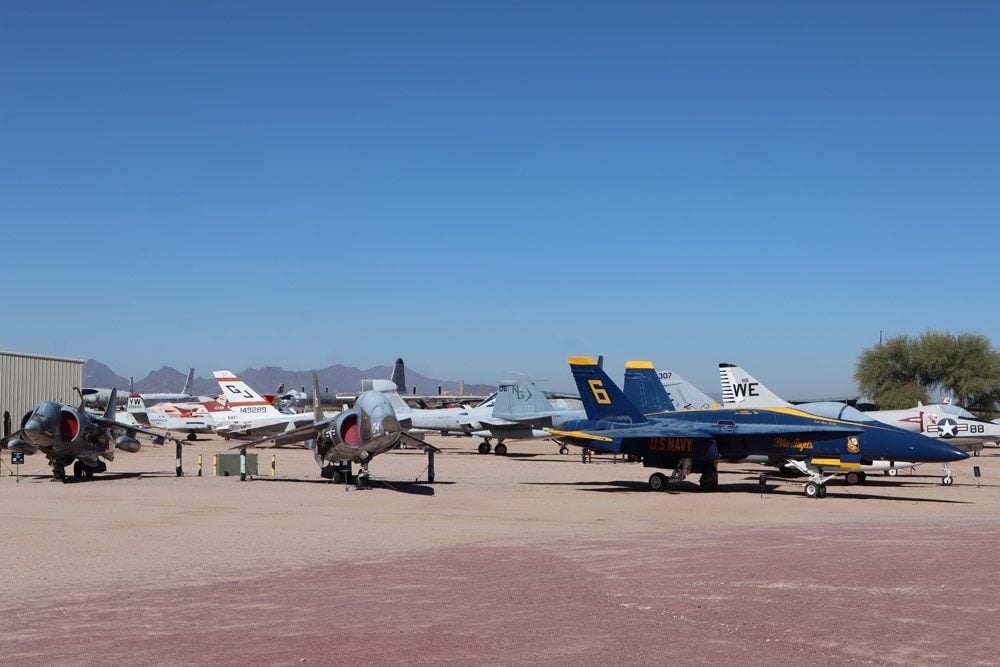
pixel 600 394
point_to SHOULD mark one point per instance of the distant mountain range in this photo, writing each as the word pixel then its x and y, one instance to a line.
pixel 266 380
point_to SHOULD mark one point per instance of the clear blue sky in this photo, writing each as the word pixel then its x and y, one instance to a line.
pixel 489 186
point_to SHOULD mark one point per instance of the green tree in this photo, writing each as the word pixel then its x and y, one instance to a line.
pixel 889 373
pixel 904 370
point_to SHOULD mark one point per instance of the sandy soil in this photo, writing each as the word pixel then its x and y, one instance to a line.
pixel 529 558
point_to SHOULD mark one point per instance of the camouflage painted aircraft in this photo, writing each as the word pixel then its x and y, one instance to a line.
pixel 944 421
pixel 356 435
pixel 68 435
pixel 696 440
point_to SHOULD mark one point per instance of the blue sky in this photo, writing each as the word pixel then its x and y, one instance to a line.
pixel 487 186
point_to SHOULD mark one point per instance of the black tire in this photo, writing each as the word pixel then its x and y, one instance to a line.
pixel 484 447
pixel 948 481
pixel 657 481
pixel 564 450
pixel 811 489
pixel 709 482
pixel 852 478
pixel 78 470
pixel 822 490
pixel 500 449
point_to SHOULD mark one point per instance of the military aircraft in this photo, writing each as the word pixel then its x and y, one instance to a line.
pixel 68 435
pixel 696 440
pixel 518 410
pixel 951 423
pixel 252 414
pixel 356 435
pixel 97 396
pixel 683 394
pixel 190 418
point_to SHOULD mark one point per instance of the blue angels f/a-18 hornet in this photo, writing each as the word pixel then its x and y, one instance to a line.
pixel 696 440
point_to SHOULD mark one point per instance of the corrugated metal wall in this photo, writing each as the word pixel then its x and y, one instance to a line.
pixel 27 379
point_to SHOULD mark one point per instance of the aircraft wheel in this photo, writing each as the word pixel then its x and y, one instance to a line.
pixel 192 437
pixel 948 480
pixel 811 489
pixel 892 472
pixel 77 470
pixel 564 450
pixel 500 449
pixel 822 490
pixel 657 481
pixel 88 472
pixel 484 447
pixel 852 478
pixel 709 482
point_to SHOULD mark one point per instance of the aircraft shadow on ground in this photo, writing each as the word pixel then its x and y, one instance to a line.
pixel 747 488
pixel 413 488
pixel 99 477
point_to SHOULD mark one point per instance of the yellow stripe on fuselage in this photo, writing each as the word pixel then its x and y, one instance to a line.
pixel 784 411
pixel 579 434
pixel 835 462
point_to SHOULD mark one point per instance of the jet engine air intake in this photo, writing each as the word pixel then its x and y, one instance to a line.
pixel 69 425
pixel 349 430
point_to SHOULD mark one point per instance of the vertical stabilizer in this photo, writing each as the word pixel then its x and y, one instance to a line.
pixel 683 394
pixel 741 389
pixel 399 376
pixel 242 398
pixel 186 391
pixel 642 387
pixel 602 399
pixel 518 397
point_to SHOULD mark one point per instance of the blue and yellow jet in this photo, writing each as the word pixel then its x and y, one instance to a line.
pixel 696 440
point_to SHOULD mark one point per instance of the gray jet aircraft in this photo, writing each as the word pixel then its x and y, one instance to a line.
pixel 353 436
pixel 68 435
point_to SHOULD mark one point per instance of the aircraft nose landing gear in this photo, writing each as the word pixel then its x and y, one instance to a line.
pixel 814 490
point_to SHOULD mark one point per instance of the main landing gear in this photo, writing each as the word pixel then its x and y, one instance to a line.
pixel 499 450
pixel 709 480
pixel 564 450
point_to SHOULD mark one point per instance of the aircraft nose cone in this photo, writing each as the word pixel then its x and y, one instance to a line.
pixel 32 429
pixel 939 452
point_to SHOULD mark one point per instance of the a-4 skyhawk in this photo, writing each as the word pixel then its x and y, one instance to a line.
pixel 696 440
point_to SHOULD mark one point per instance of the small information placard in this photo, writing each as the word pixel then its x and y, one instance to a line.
pixel 17 458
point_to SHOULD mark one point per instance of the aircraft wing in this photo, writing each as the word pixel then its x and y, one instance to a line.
pixel 285 438
pixel 409 440
pixel 131 430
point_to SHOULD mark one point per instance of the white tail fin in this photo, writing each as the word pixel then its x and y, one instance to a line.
pixel 683 394
pixel 242 398
pixel 137 408
pixel 739 388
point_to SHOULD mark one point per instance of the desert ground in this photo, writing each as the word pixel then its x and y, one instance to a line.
pixel 531 558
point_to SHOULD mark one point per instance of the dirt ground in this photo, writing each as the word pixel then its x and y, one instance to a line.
pixel 530 558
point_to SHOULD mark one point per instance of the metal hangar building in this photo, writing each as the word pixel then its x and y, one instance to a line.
pixel 27 379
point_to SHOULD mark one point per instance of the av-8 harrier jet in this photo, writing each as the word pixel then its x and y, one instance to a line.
pixel 73 436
